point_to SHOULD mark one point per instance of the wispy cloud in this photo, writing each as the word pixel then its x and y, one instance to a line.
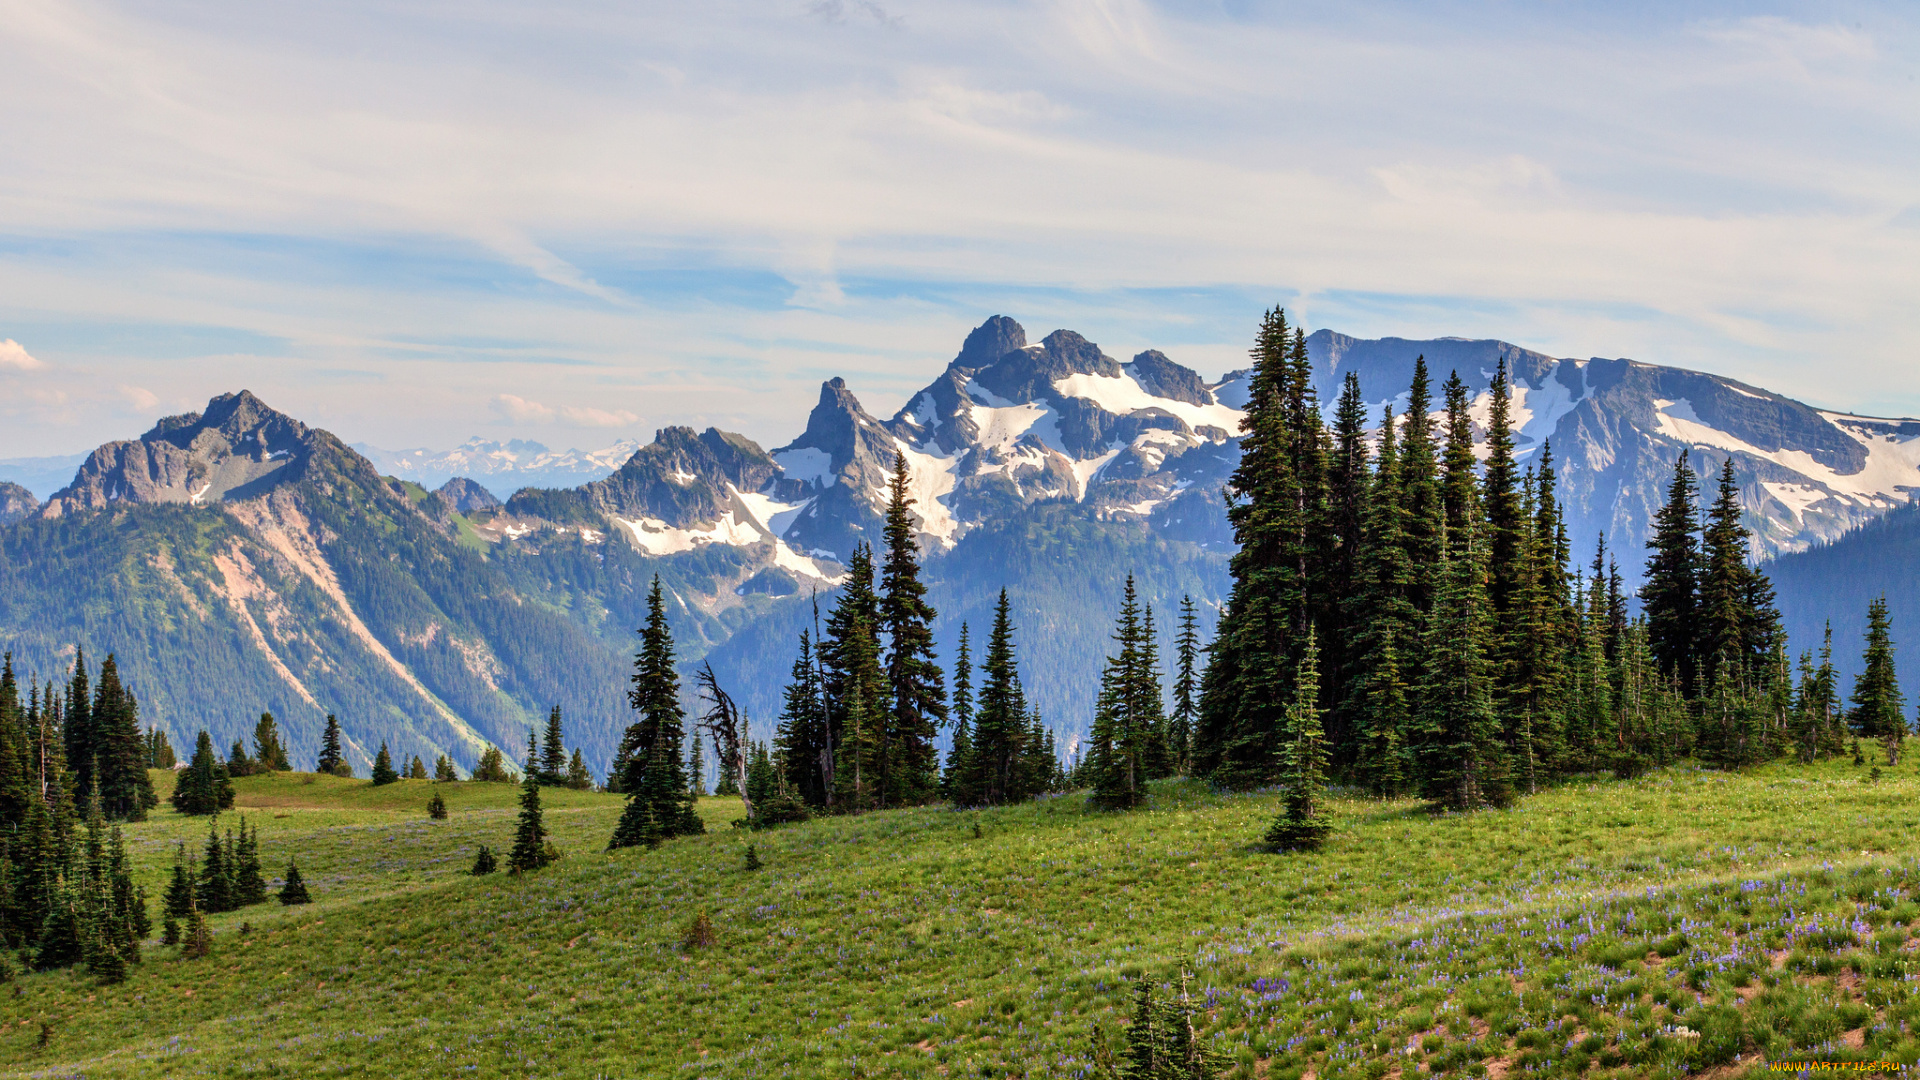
pixel 499 181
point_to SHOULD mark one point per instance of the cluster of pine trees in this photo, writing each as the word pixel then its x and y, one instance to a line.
pixel 1404 616
pixel 67 895
pixel 867 696
pixel 548 761
pixel 269 752
pixel 1133 739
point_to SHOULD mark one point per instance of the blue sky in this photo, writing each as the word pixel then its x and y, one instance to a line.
pixel 412 223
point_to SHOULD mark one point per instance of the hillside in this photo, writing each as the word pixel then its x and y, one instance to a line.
pixel 1687 920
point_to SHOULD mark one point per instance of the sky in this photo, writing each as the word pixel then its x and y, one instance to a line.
pixel 412 223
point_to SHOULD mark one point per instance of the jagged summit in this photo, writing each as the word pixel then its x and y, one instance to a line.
pixel 238 447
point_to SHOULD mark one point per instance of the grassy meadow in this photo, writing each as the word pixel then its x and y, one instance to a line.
pixel 1686 921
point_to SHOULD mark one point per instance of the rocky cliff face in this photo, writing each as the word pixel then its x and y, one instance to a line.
pixel 16 502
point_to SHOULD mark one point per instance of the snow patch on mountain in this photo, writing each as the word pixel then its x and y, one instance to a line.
pixel 1123 394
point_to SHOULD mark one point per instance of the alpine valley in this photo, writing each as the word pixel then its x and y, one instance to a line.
pixel 237 560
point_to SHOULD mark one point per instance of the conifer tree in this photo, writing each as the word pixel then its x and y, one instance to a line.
pixel 492 767
pixel 417 770
pixel 855 686
pixel 1349 484
pixel 443 770
pixel 293 890
pixel 652 773
pixel 268 748
pixel 553 754
pixel 530 849
pixel 956 779
pixel 916 690
pixel 1462 760
pixel 125 791
pixel 803 735
pixel 696 767
pixel 203 787
pixel 1303 825
pixel 331 759
pixel 577 776
pixel 176 902
pixel 1186 707
pixel 437 807
pixel 159 751
pixel 1878 705
pixel 249 885
pixel 1381 617
pixel 238 763
pixel 76 726
pixel 214 891
pixel 1459 486
pixel 1670 596
pixel 1119 746
pixel 483 862
pixel 1271 508
pixel 383 771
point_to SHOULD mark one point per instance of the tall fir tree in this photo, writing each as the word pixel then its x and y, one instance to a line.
pixel 1670 596
pixel 203 787
pixel 651 772
pixel 553 752
pixel 1271 508
pixel 530 848
pixel 1879 708
pixel 268 747
pixel 1186 688
pixel 1382 619
pixel 383 770
pixel 803 735
pixel 120 751
pixel 1118 745
pixel 76 726
pixel 331 758
pixel 955 778
pixel 1463 760
pixel 915 687
pixel 855 687
pixel 994 771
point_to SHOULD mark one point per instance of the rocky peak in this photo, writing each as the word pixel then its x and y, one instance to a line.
pixel 680 478
pixel 16 502
pixel 237 448
pixel 990 341
pixel 467 497
pixel 1029 373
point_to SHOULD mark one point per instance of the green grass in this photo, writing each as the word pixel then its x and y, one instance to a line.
pixel 1767 914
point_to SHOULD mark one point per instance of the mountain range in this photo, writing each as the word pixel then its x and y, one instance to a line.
pixel 501 467
pixel 237 560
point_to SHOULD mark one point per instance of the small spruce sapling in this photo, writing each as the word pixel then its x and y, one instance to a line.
pixel 484 862
pixel 383 772
pixel 699 933
pixel 437 807
pixel 294 889
pixel 753 858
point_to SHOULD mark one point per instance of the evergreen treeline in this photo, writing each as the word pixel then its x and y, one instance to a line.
pixel 1404 605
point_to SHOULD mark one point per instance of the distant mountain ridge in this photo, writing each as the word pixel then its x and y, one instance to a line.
pixel 501 467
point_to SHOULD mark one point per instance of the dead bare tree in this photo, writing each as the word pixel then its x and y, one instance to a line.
pixel 723 721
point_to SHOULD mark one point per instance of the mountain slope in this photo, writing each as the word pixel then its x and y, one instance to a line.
pixel 1833 584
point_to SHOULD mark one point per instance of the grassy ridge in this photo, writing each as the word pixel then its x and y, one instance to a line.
pixel 1637 928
